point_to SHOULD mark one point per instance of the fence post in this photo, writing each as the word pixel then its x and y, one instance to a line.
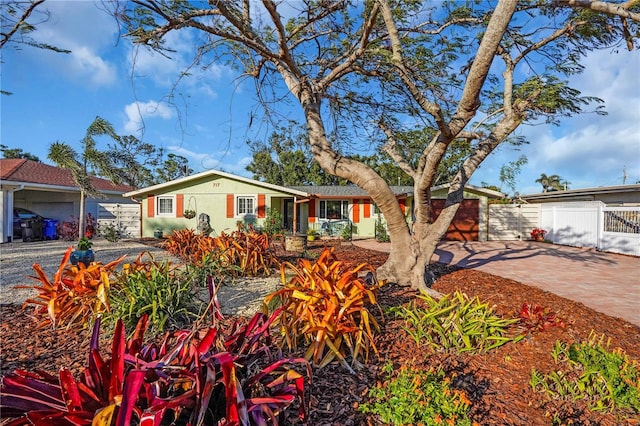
pixel 600 232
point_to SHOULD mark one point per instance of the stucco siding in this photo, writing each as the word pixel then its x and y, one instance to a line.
pixel 210 196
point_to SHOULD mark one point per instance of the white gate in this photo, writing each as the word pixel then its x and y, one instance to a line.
pixel 573 223
pixel 509 222
pixel 125 217
pixel 620 230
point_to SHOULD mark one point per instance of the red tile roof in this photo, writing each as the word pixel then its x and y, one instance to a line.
pixel 27 171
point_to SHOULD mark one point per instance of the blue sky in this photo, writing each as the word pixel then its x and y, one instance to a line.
pixel 56 97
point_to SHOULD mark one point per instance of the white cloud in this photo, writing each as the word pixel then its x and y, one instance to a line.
pixel 587 150
pixel 89 32
pixel 165 71
pixel 138 112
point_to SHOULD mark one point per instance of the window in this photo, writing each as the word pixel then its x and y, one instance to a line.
pixel 245 205
pixel 165 205
pixel 334 209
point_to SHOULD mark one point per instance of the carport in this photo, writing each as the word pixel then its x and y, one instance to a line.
pixel 47 190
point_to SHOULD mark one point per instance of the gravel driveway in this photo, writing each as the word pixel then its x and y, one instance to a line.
pixel 242 297
pixel 17 260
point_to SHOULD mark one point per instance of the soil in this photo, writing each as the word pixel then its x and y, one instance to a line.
pixel 497 383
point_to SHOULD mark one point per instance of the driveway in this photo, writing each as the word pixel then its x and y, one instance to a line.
pixel 606 282
pixel 17 259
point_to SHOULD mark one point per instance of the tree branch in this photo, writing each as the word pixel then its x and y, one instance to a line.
pixel 613 9
pixel 20 22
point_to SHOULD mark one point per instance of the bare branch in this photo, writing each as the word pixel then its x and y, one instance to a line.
pixel 614 9
pixel 20 22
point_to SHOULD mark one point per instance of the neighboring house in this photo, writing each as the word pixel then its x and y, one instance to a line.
pixel 228 199
pixel 619 195
pixel 49 191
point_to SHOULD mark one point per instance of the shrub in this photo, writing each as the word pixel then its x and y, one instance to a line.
pixel 75 295
pixel 537 318
pixel 245 253
pixel 68 230
pixel 188 245
pixel 455 323
pixel 186 379
pixel 241 253
pixel 347 232
pixel 605 379
pixel 325 304
pixel 417 397
pixel 159 290
pixel 273 223
pixel 112 232
pixel 381 230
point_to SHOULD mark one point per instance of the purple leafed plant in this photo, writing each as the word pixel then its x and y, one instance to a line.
pixel 192 377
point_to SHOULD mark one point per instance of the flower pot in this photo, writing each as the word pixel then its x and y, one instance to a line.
pixel 539 238
pixel 157 233
pixel 311 237
pixel 82 256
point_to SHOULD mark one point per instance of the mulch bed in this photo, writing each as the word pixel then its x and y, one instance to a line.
pixel 496 382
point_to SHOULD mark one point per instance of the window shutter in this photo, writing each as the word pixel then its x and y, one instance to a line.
pixel 151 204
pixel 179 205
pixel 312 210
pixel 366 209
pixel 230 205
pixel 261 206
pixel 356 211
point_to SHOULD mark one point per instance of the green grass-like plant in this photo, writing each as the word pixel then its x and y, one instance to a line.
pixel 160 290
pixel 455 323
pixel 605 379
pixel 417 397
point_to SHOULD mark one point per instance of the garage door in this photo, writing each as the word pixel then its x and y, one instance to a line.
pixel 58 211
pixel 465 224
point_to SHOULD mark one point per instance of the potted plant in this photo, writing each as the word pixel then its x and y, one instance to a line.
pixel 189 214
pixel 83 253
pixel 538 234
pixel 311 234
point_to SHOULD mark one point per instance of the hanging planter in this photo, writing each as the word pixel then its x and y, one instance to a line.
pixel 190 212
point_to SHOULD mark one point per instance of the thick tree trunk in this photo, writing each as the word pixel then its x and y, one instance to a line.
pixel 407 263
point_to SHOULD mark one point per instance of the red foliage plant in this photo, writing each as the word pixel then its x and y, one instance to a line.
pixel 185 380
pixel 537 318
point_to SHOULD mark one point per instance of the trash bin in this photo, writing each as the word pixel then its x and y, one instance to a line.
pixel 31 229
pixel 50 229
pixel 27 230
pixel 37 226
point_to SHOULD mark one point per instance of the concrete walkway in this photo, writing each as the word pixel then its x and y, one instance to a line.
pixel 606 282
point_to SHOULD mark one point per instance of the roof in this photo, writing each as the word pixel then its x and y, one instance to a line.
pixel 20 171
pixel 616 189
pixel 321 191
pixel 349 191
pixel 208 173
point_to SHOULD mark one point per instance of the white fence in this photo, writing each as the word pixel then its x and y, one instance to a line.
pixel 125 217
pixel 508 222
pixel 580 224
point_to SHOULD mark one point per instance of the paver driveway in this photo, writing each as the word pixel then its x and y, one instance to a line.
pixel 606 282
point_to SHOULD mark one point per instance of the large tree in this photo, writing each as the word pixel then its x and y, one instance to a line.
pixel 134 161
pixel 374 69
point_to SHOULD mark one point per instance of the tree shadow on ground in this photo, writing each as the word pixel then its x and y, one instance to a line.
pixel 476 254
